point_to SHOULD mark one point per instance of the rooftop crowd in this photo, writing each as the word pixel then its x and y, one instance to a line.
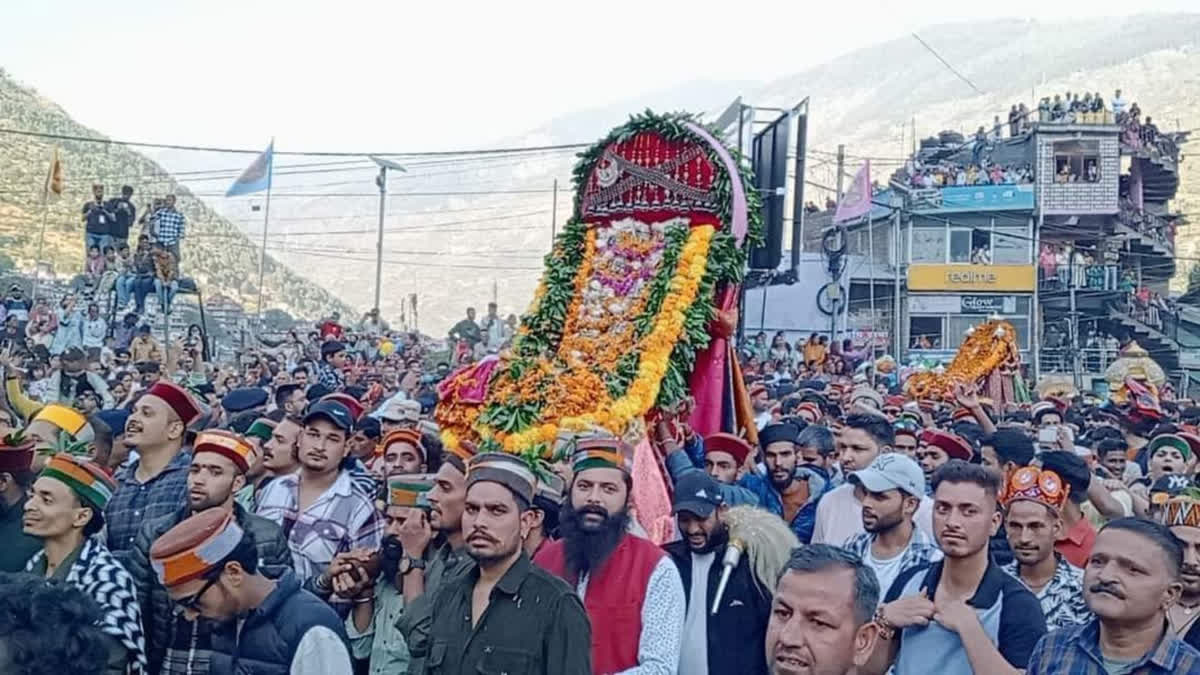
pixel 295 512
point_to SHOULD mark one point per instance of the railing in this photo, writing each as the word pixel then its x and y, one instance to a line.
pixel 1092 360
pixel 1156 227
pixel 1080 276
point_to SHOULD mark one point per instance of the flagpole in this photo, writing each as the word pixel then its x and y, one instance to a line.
pixel 262 256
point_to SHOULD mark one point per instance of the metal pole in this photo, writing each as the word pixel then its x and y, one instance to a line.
pixel 1037 316
pixel 896 343
pixel 841 168
pixel 382 181
pixel 1073 324
pixel 37 264
pixel 871 269
pixel 554 214
pixel 262 256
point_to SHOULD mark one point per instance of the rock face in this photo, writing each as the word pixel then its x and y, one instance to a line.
pixel 216 253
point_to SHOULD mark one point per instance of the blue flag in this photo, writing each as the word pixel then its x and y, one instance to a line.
pixel 256 177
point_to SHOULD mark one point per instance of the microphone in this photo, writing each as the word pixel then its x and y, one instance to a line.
pixel 733 554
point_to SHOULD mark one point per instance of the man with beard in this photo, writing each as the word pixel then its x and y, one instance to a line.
pixel 174 644
pixel 962 614
pixel 502 614
pixel 1032 500
pixel 321 511
pixel 630 587
pixel 839 514
pixel 65 511
pixel 728 640
pixel 424 568
pixel 155 484
pixel 291 399
pixel 1182 515
pixel 789 491
pixel 821 614
pixel 1131 580
pixel 371 625
pixel 892 488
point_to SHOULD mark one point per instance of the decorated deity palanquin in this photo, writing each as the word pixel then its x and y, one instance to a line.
pixel 622 323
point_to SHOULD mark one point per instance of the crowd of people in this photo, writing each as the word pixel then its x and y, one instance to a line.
pixel 949 174
pixel 296 512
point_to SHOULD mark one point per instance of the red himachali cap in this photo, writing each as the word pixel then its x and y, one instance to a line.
pixel 734 445
pixel 954 445
pixel 177 399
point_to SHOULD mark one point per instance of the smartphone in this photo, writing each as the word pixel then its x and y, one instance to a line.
pixel 1048 435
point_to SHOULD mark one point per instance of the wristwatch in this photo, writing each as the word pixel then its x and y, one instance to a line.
pixel 409 563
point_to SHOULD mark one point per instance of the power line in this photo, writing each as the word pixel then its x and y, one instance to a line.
pixel 947 64
pixel 393 230
pixel 243 151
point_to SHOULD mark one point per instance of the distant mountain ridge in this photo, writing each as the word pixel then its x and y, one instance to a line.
pixel 216 253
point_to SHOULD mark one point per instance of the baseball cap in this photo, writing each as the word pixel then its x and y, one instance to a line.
pixel 334 412
pixel 698 494
pixel 892 471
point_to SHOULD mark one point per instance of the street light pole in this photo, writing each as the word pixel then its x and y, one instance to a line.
pixel 381 181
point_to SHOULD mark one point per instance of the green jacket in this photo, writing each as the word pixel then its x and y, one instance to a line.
pixel 17 547
pixel 534 624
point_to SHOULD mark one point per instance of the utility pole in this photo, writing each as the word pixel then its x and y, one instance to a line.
pixel 841 169
pixel 1073 325
pixel 381 181
pixel 837 278
pixel 554 214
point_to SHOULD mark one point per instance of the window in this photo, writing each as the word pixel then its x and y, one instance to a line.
pixel 929 245
pixel 925 332
pixel 1077 161
pixel 960 246
pixel 1010 246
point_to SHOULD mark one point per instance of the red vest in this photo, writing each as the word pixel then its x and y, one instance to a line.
pixel 613 600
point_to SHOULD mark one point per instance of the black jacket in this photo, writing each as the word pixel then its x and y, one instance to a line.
pixel 737 631
pixel 158 620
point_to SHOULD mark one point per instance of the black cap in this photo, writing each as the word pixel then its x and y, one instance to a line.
pixel 334 412
pixel 245 398
pixel 697 494
pixel 777 433
pixel 369 427
pixel 317 391
pixel 332 347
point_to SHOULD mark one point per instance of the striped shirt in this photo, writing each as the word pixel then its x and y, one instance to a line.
pixel 1076 651
pixel 1062 598
pixel 340 520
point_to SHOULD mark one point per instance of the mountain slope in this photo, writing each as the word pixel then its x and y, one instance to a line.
pixel 216 253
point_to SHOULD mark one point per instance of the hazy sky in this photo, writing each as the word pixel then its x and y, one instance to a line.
pixel 409 75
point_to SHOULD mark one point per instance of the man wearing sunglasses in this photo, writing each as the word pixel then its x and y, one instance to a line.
pixel 174 643
pixel 210 567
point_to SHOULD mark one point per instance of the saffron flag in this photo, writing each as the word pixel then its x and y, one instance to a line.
pixel 856 202
pixel 256 177
pixel 54 178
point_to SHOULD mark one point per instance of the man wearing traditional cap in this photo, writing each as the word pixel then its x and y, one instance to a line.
pixel 1078 534
pixel 257 436
pixel 53 425
pixel 1033 500
pixel 761 402
pixel 434 549
pixel 908 437
pixel 729 639
pixel 323 511
pixel 155 484
pixel 547 504
pixel 788 490
pixel 16 476
pixel 371 625
pixel 209 566
pixel 938 447
pixel 503 614
pixel 65 511
pixel 1181 513
pixel 403 452
pixel 630 587
pixel 220 460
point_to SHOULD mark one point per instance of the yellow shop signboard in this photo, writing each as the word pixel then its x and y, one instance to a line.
pixel 972 278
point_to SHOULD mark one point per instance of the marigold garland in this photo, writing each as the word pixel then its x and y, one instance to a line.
pixel 985 349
